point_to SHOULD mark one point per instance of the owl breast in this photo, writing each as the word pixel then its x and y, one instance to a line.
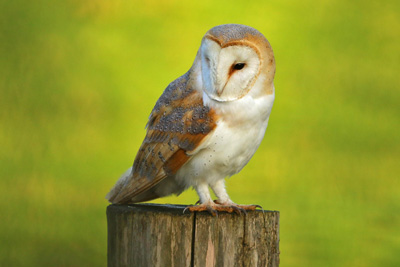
pixel 231 145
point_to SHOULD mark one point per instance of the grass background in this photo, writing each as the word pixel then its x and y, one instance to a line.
pixel 78 80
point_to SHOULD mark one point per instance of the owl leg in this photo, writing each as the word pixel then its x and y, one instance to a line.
pixel 204 193
pixel 220 191
pixel 225 202
pixel 206 202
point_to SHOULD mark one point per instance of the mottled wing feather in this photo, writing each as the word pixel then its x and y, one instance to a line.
pixel 177 125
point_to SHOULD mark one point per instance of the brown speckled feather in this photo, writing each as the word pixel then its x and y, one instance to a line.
pixel 177 125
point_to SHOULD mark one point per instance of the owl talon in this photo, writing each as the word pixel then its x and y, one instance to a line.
pixel 202 207
pixel 239 209
pixel 250 207
pixel 215 207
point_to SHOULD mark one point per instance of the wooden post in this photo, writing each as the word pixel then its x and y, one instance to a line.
pixel 161 235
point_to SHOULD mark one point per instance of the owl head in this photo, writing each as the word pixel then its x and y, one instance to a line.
pixel 232 59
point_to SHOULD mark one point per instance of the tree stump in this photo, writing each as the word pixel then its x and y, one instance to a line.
pixel 161 235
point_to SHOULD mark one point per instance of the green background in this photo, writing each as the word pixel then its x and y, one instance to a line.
pixel 78 80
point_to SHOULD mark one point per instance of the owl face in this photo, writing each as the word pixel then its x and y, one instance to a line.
pixel 230 65
pixel 228 72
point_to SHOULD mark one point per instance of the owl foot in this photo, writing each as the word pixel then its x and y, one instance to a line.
pixel 210 207
pixel 239 208
pixel 249 207
pixel 214 207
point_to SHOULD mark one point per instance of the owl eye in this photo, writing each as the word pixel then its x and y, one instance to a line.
pixel 238 66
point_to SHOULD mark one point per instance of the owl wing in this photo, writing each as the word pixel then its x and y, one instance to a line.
pixel 177 125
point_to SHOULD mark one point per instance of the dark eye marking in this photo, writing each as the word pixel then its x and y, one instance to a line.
pixel 238 66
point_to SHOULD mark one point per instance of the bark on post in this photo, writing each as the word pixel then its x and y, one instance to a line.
pixel 161 235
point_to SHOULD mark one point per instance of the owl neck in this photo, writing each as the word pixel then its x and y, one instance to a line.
pixel 248 110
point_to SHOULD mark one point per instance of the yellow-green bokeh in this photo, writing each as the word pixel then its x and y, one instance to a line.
pixel 78 80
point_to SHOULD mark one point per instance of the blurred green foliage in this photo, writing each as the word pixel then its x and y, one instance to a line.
pixel 79 78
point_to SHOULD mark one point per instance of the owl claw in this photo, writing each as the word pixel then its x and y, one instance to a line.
pixel 214 207
pixel 202 207
pixel 239 208
pixel 251 207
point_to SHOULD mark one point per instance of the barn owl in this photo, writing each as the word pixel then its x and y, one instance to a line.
pixel 207 124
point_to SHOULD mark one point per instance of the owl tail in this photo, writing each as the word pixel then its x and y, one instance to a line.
pixel 119 185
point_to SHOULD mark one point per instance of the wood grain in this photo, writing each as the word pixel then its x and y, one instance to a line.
pixel 161 235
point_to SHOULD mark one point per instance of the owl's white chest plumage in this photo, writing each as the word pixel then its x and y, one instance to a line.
pixel 233 142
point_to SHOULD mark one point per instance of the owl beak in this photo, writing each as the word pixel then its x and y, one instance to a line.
pixel 220 88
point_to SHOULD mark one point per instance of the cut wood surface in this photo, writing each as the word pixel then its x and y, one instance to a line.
pixel 162 235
